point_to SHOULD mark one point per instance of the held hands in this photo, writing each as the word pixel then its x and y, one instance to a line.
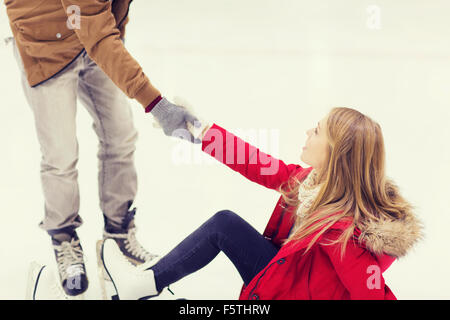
pixel 177 121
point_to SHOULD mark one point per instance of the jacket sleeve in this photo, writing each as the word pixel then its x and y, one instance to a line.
pixel 246 159
pixel 358 270
pixel 100 37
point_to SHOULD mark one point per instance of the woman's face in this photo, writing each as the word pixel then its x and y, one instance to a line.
pixel 314 151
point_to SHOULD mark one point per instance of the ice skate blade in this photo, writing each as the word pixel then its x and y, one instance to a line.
pixel 106 285
pixel 34 271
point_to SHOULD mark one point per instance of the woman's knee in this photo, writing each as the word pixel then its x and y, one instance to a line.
pixel 222 219
pixel 225 215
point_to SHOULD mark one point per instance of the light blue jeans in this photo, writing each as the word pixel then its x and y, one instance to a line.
pixel 54 105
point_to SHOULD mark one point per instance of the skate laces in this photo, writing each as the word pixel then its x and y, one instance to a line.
pixel 69 257
pixel 132 245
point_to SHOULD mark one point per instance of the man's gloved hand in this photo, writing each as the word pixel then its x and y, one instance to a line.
pixel 175 119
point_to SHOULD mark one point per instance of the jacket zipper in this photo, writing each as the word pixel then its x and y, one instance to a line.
pixel 273 237
pixel 279 224
pixel 257 281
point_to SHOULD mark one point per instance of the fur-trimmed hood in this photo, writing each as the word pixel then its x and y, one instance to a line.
pixel 392 237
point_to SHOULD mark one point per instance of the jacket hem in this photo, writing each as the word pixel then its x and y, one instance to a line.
pixel 60 71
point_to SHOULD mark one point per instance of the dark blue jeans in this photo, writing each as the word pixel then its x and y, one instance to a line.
pixel 249 251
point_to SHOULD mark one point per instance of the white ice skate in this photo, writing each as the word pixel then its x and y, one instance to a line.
pixel 106 285
pixel 120 279
pixel 43 284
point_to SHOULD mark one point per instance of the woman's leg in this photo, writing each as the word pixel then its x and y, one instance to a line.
pixel 249 251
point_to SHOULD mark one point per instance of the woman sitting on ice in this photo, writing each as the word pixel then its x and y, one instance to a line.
pixel 337 226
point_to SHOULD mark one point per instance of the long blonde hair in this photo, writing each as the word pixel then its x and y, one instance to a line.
pixel 353 181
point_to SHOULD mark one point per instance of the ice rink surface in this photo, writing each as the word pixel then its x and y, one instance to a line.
pixel 273 65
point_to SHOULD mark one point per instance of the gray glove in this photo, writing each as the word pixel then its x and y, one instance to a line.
pixel 174 119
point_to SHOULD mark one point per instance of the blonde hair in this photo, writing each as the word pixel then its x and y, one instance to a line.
pixel 353 181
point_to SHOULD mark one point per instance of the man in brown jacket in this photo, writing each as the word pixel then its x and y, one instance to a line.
pixel 69 49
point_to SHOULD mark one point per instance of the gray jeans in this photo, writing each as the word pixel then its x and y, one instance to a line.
pixel 54 105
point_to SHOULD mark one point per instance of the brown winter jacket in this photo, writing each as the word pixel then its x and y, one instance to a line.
pixel 47 44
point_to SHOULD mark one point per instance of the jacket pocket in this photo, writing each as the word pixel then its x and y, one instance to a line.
pixel 48 25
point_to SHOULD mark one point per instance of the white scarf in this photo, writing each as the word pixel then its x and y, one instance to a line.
pixel 307 192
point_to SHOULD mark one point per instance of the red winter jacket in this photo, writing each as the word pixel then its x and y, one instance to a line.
pixel 320 273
